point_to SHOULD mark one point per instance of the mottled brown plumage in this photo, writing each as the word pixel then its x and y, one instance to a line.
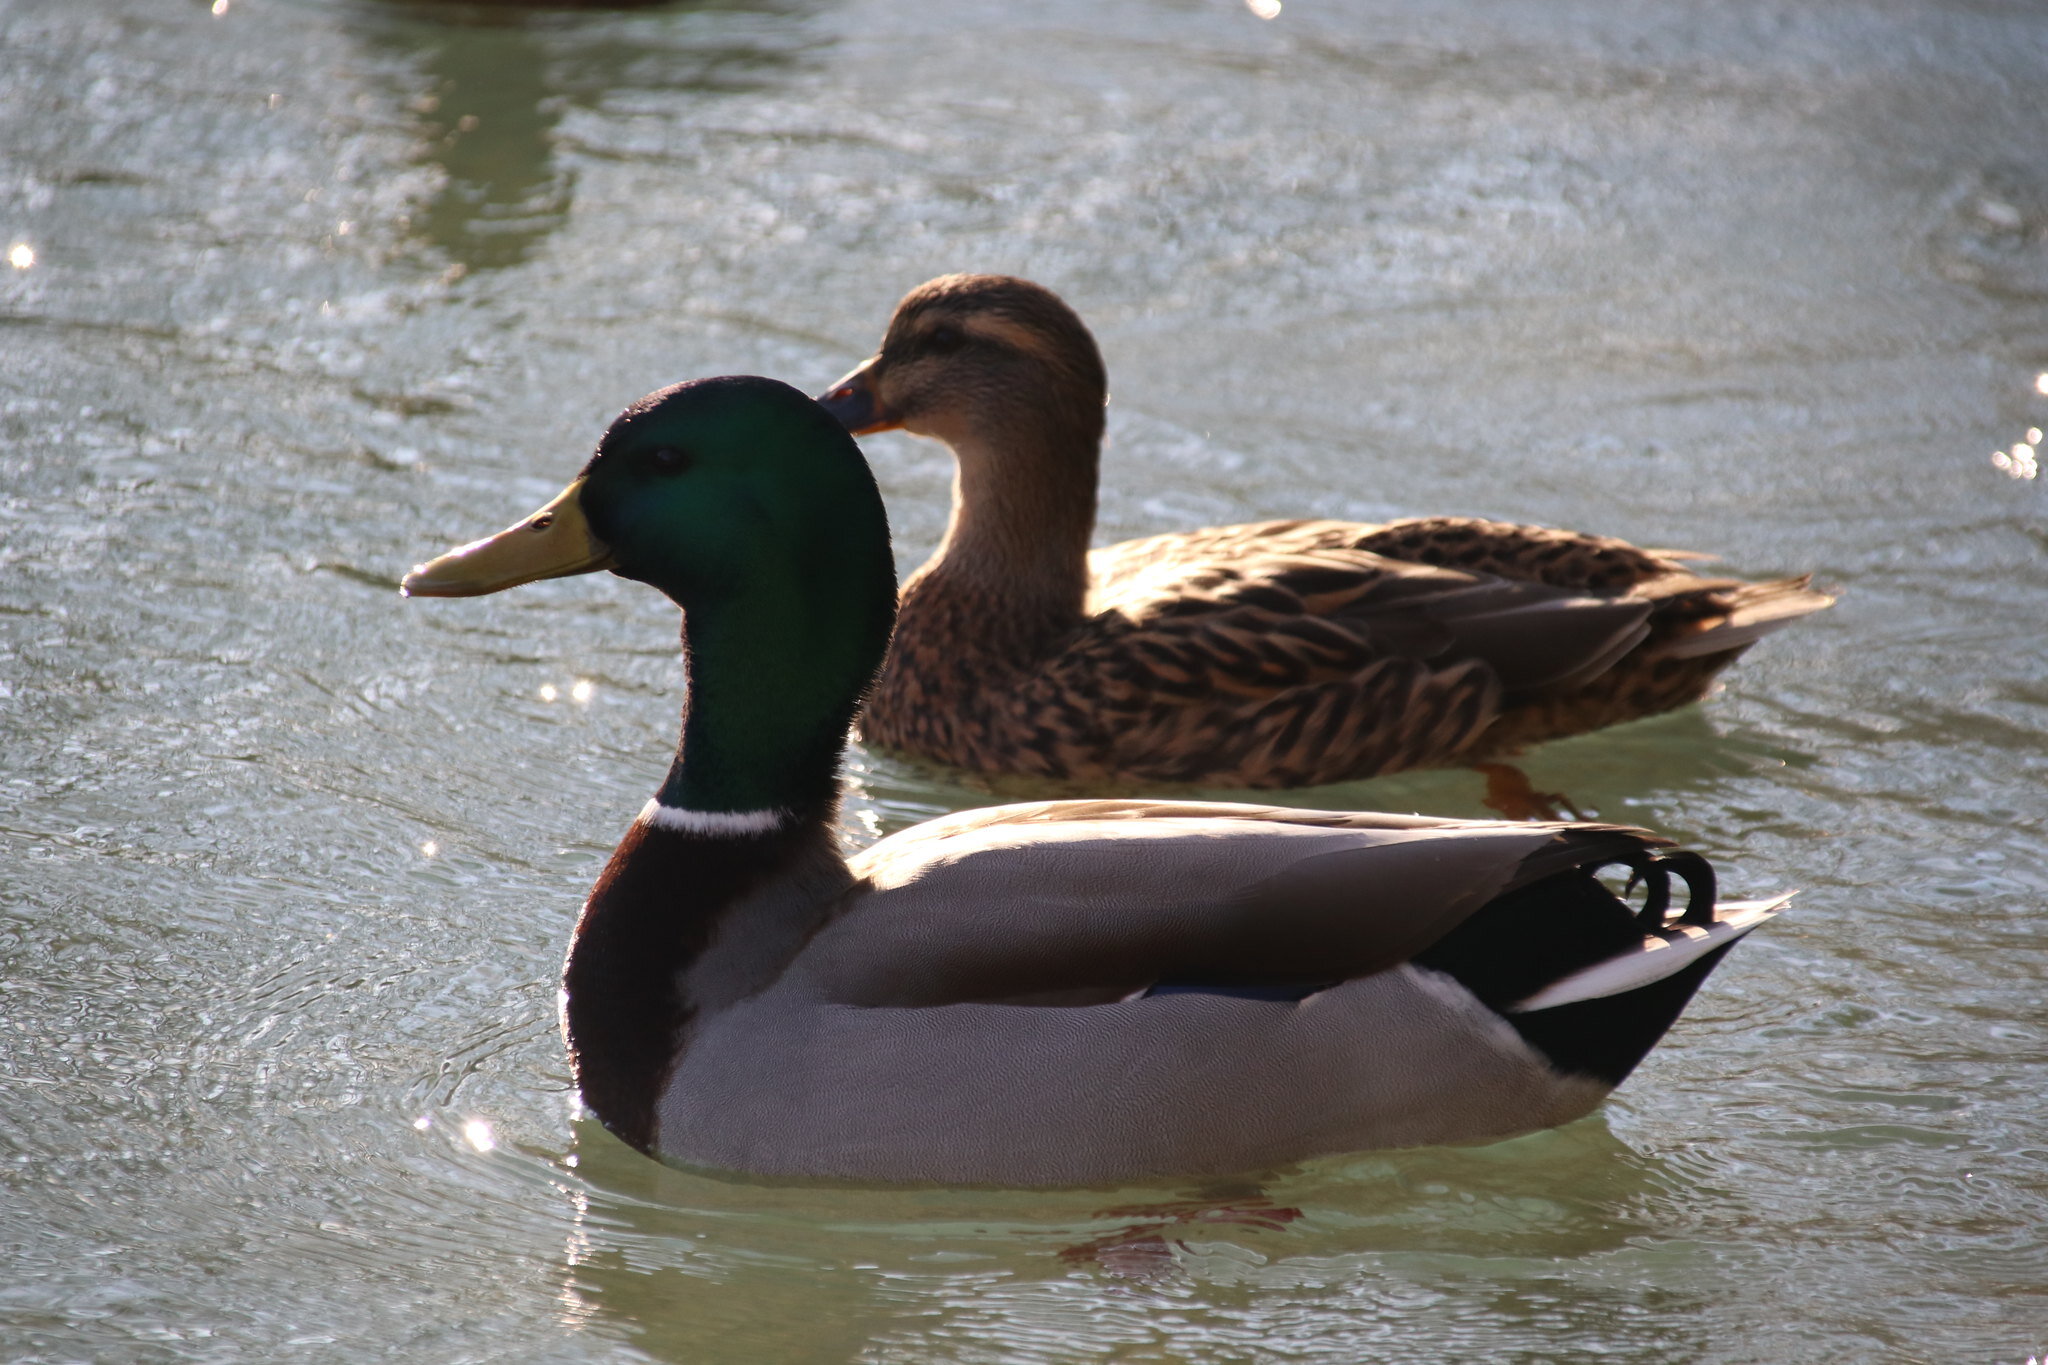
pixel 1277 654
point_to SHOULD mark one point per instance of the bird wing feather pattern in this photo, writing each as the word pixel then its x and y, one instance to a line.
pixel 1034 909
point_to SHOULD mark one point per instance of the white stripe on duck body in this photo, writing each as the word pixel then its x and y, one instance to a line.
pixel 1065 992
pixel 1274 654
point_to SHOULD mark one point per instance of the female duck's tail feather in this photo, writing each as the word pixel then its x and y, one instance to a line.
pixel 1753 610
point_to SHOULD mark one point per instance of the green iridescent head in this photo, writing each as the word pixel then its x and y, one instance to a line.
pixel 751 507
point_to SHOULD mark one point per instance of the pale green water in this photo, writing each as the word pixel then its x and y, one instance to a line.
pixel 1764 279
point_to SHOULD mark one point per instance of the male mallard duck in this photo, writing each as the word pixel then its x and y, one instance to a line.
pixel 1063 992
pixel 1277 654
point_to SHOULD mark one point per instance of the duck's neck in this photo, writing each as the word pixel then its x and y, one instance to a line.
pixel 736 860
pixel 1016 547
pixel 774 676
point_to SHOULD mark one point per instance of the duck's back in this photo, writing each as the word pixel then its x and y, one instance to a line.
pixel 1292 653
pixel 1692 626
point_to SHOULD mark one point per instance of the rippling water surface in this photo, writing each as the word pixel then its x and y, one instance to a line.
pixel 299 292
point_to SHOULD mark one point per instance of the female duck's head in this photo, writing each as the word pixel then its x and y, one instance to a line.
pixel 748 505
pixel 983 361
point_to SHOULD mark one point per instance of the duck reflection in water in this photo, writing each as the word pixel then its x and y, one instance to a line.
pixel 691 1265
pixel 495 81
pixel 485 115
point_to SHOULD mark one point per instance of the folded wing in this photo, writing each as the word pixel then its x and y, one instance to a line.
pixel 1086 902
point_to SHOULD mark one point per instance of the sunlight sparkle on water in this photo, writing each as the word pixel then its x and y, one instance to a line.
pixel 21 256
pixel 1265 9
pixel 2020 462
pixel 2041 383
pixel 477 1134
pixel 429 848
pixel 583 690
pixel 548 692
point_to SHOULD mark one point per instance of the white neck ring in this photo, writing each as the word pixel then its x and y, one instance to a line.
pixel 717 823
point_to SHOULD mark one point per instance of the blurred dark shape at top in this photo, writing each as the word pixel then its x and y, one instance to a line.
pixel 488 119
pixel 499 76
pixel 497 11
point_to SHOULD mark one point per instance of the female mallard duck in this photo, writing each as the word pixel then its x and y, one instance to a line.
pixel 1278 654
pixel 1067 992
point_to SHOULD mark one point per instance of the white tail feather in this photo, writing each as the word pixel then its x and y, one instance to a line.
pixel 1656 957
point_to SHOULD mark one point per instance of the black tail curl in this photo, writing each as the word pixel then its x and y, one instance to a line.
pixel 1536 935
pixel 1654 872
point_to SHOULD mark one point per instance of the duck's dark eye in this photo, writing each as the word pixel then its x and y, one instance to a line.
pixel 668 460
pixel 945 337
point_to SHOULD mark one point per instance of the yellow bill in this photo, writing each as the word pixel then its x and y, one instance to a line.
pixel 552 543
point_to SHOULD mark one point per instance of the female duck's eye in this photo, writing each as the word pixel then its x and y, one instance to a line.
pixel 668 460
pixel 945 337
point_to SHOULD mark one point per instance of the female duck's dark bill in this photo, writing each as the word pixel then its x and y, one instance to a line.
pixel 852 401
pixel 552 543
